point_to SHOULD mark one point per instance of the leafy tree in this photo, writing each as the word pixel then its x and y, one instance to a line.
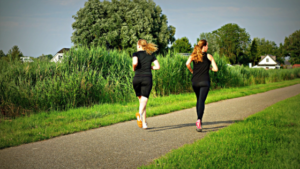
pixel 212 40
pixel 15 53
pixel 281 53
pixel 120 23
pixel 182 45
pixel 266 47
pixel 292 47
pixel 254 54
pixel 2 54
pixel 232 41
pixel 45 57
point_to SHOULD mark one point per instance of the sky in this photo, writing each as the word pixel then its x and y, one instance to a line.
pixel 45 26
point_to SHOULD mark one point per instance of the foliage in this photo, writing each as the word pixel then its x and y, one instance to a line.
pixel 232 41
pixel 45 57
pixel 2 54
pixel 182 45
pixel 15 53
pixel 292 47
pixel 254 53
pixel 120 23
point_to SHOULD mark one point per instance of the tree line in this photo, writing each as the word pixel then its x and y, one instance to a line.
pixel 15 54
pixel 235 44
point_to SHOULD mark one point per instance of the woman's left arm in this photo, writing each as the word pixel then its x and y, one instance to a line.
pixel 134 62
pixel 188 64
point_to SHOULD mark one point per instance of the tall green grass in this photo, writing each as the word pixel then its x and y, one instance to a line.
pixel 95 76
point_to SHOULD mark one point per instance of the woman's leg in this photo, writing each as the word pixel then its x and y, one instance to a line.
pixel 142 109
pixel 201 101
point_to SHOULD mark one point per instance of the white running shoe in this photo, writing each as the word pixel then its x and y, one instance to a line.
pixel 145 126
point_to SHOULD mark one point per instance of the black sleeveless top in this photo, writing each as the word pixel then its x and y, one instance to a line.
pixel 201 69
pixel 144 63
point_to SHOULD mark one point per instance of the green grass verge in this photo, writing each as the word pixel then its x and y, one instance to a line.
pixel 47 125
pixel 268 139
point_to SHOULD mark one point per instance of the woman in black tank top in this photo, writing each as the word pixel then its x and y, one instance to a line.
pixel 201 80
pixel 142 81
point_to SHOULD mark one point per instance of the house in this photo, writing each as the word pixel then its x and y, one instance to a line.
pixel 58 56
pixel 296 66
pixel 26 59
pixel 267 62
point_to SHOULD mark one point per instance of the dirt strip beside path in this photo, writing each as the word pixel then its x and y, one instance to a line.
pixel 124 145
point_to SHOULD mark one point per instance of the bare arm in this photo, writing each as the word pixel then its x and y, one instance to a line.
pixel 188 64
pixel 213 63
pixel 134 62
pixel 156 65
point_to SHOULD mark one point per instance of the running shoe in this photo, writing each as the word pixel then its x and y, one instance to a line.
pixel 139 121
pixel 145 126
pixel 198 124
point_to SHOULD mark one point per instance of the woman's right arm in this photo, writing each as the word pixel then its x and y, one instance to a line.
pixel 188 64
pixel 156 65
pixel 134 62
pixel 213 63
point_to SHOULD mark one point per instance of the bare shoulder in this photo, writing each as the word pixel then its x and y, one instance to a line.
pixel 209 56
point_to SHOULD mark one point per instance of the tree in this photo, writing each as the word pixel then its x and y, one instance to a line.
pixel 182 45
pixel 292 47
pixel 120 24
pixel 45 57
pixel 212 42
pixel 15 53
pixel 232 41
pixel 2 54
pixel 254 55
pixel 266 47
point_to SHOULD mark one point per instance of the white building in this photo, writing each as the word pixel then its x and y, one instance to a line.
pixel 59 55
pixel 26 59
pixel 267 62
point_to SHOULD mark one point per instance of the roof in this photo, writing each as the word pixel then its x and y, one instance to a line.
pixel 296 65
pixel 270 56
pixel 63 50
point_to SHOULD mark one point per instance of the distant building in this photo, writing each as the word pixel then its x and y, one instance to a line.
pixel 26 59
pixel 59 55
pixel 267 62
pixel 296 66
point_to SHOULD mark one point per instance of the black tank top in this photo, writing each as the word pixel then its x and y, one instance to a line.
pixel 201 69
pixel 144 63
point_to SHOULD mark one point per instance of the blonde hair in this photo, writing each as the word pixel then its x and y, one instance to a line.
pixel 197 52
pixel 148 47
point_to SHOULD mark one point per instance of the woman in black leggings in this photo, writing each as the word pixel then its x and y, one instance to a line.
pixel 201 79
pixel 142 81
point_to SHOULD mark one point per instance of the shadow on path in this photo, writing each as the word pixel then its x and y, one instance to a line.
pixel 155 129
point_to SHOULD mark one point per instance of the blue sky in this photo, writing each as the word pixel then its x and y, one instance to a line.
pixel 44 26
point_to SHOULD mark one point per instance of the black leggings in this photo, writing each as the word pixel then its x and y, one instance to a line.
pixel 201 90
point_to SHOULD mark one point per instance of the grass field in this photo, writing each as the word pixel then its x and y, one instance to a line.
pixel 47 125
pixel 268 139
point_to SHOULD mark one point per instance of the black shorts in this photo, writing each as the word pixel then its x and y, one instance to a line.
pixel 142 85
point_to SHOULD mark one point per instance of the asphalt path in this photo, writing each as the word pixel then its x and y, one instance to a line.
pixel 124 145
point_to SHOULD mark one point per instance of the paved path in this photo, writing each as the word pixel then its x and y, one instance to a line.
pixel 124 145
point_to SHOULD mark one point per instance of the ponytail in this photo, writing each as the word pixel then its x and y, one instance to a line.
pixel 197 55
pixel 148 47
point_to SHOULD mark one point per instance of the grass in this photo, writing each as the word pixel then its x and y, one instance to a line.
pixel 47 125
pixel 268 139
